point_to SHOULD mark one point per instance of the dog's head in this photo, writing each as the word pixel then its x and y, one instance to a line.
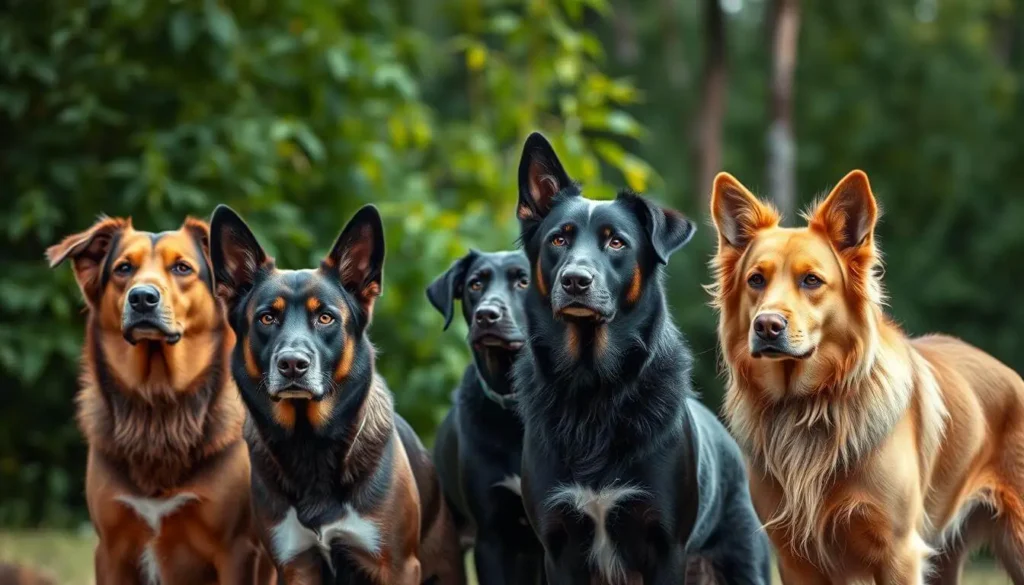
pixel 145 291
pixel 302 351
pixel 592 261
pixel 492 287
pixel 795 303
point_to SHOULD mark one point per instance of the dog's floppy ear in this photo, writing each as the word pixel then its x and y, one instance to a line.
pixel 541 177
pixel 357 257
pixel 738 215
pixel 849 214
pixel 236 255
pixel 88 252
pixel 666 229
pixel 448 286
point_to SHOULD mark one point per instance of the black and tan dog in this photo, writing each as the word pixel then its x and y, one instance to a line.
pixel 344 491
pixel 167 479
pixel 478 451
pixel 625 473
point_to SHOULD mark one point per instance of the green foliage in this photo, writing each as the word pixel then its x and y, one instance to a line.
pixel 295 113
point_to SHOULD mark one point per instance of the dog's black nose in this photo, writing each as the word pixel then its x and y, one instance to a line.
pixel 576 281
pixel 769 326
pixel 292 365
pixel 144 298
pixel 487 315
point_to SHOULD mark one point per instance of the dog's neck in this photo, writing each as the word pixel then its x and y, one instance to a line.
pixel 159 435
pixel 493 368
pixel 589 403
pixel 335 462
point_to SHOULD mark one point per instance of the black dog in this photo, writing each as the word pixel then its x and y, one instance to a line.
pixel 478 450
pixel 343 490
pixel 625 473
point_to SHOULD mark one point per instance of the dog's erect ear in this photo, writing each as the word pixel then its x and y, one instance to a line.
pixel 88 251
pixel 738 215
pixel 357 257
pixel 666 229
pixel 541 177
pixel 236 255
pixel 447 287
pixel 849 213
pixel 200 232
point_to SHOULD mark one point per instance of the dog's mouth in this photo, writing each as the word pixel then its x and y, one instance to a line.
pixel 776 353
pixel 581 312
pixel 150 330
pixel 496 341
pixel 293 392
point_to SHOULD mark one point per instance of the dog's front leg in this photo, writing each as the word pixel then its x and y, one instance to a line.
pixel 236 564
pixel 498 564
pixel 566 570
pixel 115 569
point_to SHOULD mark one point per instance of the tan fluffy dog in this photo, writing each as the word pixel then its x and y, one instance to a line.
pixel 870 453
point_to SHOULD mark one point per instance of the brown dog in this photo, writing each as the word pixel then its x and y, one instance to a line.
pixel 167 479
pixel 869 451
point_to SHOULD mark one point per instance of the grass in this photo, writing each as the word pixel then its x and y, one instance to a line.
pixel 69 558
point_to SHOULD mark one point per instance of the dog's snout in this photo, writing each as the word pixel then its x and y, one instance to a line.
pixel 144 298
pixel 576 280
pixel 292 365
pixel 769 326
pixel 487 314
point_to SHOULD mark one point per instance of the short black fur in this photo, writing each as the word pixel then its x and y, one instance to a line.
pixel 613 431
pixel 478 450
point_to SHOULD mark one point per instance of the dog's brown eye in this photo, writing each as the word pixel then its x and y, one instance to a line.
pixel 558 241
pixel 476 284
pixel 616 244
pixel 755 280
pixel 267 319
pixel 181 269
pixel 325 319
pixel 812 281
pixel 523 283
pixel 123 268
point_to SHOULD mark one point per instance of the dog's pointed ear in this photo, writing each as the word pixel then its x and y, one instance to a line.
pixel 541 177
pixel 357 257
pixel 737 213
pixel 236 255
pixel 88 252
pixel 667 230
pixel 200 232
pixel 447 287
pixel 849 214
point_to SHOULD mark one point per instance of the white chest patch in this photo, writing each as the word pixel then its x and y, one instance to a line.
pixel 512 483
pixel 290 537
pixel 153 511
pixel 597 505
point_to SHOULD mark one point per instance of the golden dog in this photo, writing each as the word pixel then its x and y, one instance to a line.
pixel 871 454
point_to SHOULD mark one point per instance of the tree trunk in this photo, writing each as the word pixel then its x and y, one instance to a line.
pixel 784 23
pixel 711 115
pixel 672 39
pixel 627 48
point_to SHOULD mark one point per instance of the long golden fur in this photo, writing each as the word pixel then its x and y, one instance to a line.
pixel 167 479
pixel 870 453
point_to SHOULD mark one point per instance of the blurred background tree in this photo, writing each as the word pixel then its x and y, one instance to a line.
pixel 296 112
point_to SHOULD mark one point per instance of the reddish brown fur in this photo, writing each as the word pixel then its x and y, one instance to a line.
pixel 635 286
pixel 161 420
pixel 863 453
pixel 538 275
